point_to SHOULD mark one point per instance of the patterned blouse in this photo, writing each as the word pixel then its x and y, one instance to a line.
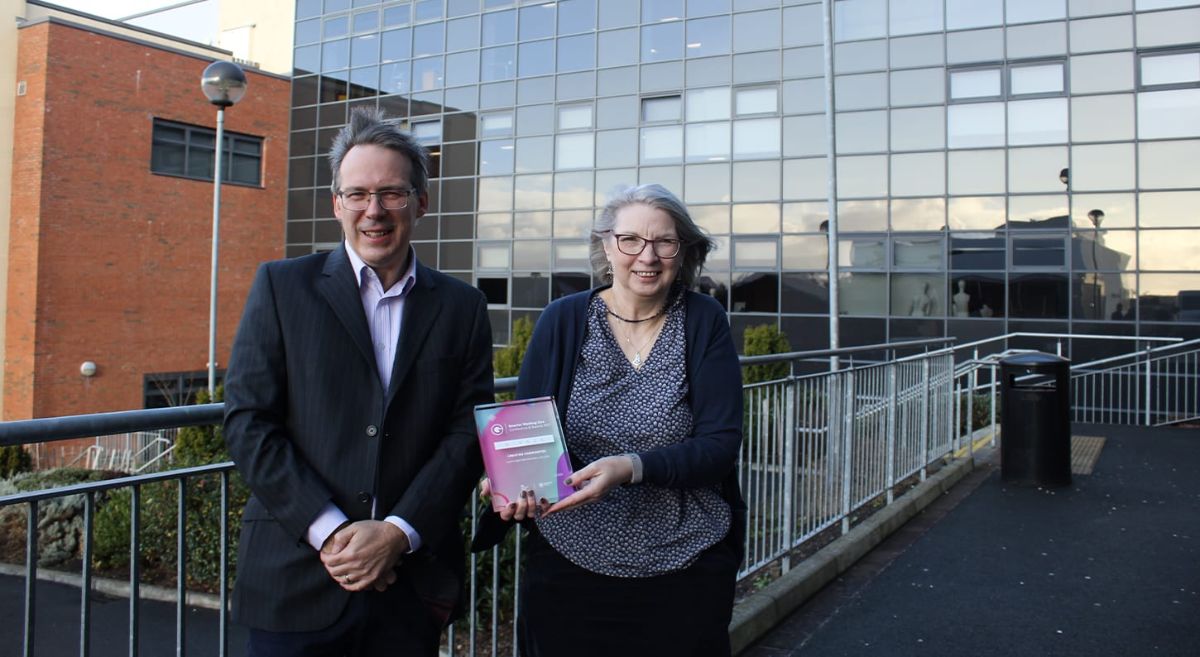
pixel 637 530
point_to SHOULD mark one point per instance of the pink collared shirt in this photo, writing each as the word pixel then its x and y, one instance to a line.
pixel 384 311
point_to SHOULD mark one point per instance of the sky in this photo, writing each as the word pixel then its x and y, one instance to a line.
pixel 196 22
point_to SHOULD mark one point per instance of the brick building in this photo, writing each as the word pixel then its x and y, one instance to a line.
pixel 109 235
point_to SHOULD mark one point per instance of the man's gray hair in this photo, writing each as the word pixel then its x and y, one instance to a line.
pixel 695 246
pixel 370 127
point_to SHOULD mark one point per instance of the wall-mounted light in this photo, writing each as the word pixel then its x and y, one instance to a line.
pixel 87 368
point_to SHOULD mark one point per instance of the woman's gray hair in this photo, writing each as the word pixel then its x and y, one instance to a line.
pixel 370 126
pixel 695 246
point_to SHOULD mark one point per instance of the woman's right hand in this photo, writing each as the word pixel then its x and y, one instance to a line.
pixel 525 506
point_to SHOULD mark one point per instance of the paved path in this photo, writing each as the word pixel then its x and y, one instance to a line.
pixel 58 624
pixel 1107 566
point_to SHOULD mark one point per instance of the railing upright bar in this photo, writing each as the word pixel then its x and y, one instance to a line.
pixel 85 584
pixel 788 475
pixel 847 444
pixel 924 418
pixel 181 569
pixel 135 509
pixel 223 577
pixel 1148 384
pixel 891 433
pixel 993 386
pixel 31 563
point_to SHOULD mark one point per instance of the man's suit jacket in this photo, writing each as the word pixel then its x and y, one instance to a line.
pixel 307 421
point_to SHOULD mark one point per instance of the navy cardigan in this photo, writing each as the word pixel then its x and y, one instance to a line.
pixel 707 457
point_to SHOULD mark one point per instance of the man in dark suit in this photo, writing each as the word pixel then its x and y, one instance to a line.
pixel 348 411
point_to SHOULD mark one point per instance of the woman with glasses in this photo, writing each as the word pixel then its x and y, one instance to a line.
pixel 641 559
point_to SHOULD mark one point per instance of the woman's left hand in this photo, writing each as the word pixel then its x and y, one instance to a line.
pixel 594 480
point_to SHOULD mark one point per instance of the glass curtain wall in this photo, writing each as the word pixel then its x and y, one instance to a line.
pixel 1002 165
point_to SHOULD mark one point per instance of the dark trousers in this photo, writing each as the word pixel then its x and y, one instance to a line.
pixel 568 610
pixel 391 623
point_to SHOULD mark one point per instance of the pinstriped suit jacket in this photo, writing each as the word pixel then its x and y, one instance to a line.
pixel 308 421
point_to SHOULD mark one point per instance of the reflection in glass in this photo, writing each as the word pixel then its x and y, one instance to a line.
pixel 1037 169
pixel 918 252
pixel 662 144
pixel 571 255
pixel 1168 164
pixel 1102 118
pixel 976 124
pixel 574 190
pixel 756 218
pixel 563 284
pixel 755 292
pixel 493 226
pixel 662 42
pixel 756 138
pixel 530 291
pixel 756 181
pixel 918 174
pixel 531 224
pixel 919 214
pixel 495 194
pixel 1169 114
pixel 918 295
pixel 575 151
pixel 862 293
pixel 976 251
pixel 755 253
pixel 806 293
pixel 805 179
pixel 1027 11
pixel 977 295
pixel 864 91
pixel 975 46
pixel 1099 73
pixel 1159 209
pixel 862 252
pixel 492 256
pixel 496 157
pixel 708 36
pixel 1170 249
pixel 535 154
pixel 914 16
pixel 1041 121
pixel 927 50
pixel 975 83
pixel 1042 295
pixel 531 255
pixel 861 132
pixel 865 175
pixel 1047 211
pixel 1169 68
pixel 533 192
pixel 1106 250
pixel 919 128
pixel 1169 297
pixel 962 14
pixel 708 142
pixel 1103 296
pixel 859 19
pixel 804 135
pixel 1040 252
pixel 862 215
pixel 1036 79
pixel 804 217
pixel 977 172
pixel 805 252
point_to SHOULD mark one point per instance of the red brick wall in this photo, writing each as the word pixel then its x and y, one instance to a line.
pixel 109 262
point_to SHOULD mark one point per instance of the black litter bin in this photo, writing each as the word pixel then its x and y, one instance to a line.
pixel 1035 447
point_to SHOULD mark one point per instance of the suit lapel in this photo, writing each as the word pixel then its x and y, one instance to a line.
pixel 340 289
pixel 421 309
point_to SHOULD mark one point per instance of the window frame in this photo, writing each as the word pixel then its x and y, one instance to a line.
pixel 1163 52
pixel 230 148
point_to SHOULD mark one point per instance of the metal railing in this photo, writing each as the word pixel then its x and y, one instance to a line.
pixel 819 447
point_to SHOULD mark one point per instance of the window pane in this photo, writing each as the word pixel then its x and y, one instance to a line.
pixel 496 157
pixel 1047 78
pixel 575 151
pixel 427 40
pixel 1026 11
pixel 859 19
pixel 708 36
pixel 576 16
pixel 535 58
pixel 1167 114
pixel 919 214
pixel 1037 121
pixel 918 87
pixel 918 252
pixel 977 295
pixel 861 91
pixel 755 254
pixel 1169 164
pixel 862 294
pixel 577 53
pixel 918 295
pixel 1170 69
pixel 1039 252
pixel 1102 118
pixel 914 16
pixel 920 128
pixel 862 215
pixel 1169 249
pixel 977 124
pixel 971 252
pixel 983 83
pixel 756 31
pixel 1168 208
pixel 926 50
pixel 663 144
pixel 961 14
pixel 397 45
pixel 861 132
pixel 862 253
pixel 756 181
pixel 537 21
pixel 757 101
pixel 707 142
pixel 708 104
pixel 619 47
pixel 756 138
pixel 805 252
pixel 666 108
pixel 918 174
pixel 986 212
pixel 1169 297
pixel 662 42
pixel 1038 295
pixel 709 184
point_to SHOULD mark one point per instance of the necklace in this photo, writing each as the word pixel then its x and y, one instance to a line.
pixel 637 321
pixel 637 351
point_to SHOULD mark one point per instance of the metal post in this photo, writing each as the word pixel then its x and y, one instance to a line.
pixel 831 176
pixel 789 472
pixel 85 588
pixel 31 562
pixel 924 418
pixel 993 402
pixel 181 568
pixel 891 433
pixel 135 527
pixel 1148 375
pixel 847 440
pixel 216 233
pixel 223 624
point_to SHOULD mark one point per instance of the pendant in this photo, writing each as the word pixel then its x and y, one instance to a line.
pixel 637 359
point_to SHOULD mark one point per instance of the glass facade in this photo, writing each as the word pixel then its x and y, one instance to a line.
pixel 1001 165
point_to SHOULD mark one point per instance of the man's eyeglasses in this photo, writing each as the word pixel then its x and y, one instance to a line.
pixel 390 199
pixel 633 245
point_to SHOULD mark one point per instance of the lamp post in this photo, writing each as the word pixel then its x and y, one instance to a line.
pixel 1096 216
pixel 224 83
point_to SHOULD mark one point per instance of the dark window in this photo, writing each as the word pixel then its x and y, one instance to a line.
pixel 188 151
pixel 168 389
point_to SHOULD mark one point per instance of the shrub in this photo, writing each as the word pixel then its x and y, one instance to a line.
pixel 506 362
pixel 760 340
pixel 13 460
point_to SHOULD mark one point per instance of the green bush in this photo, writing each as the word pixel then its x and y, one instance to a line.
pixel 13 460
pixel 159 526
pixel 761 340
pixel 506 362
pixel 981 413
